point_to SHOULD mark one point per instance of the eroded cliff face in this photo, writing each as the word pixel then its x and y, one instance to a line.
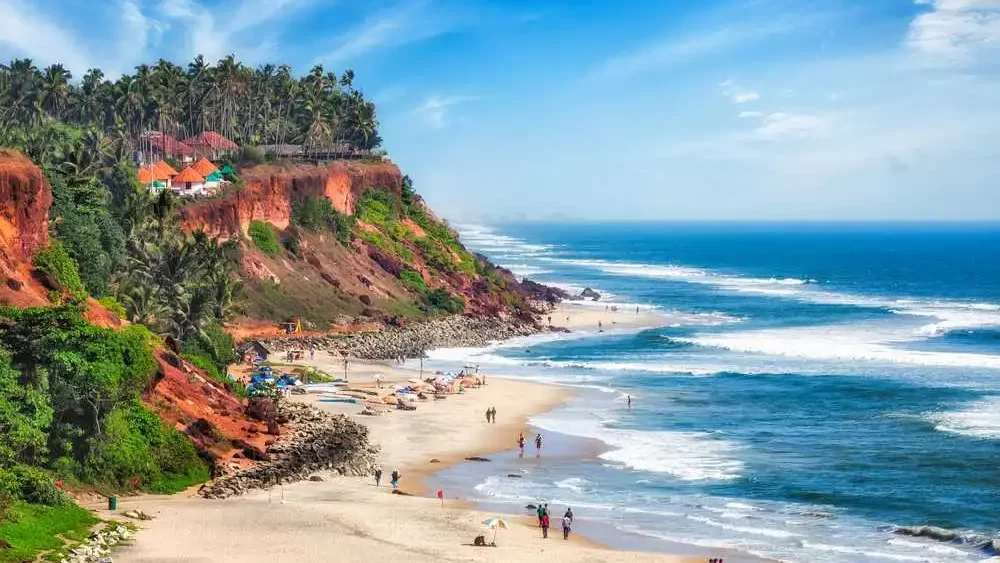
pixel 271 190
pixel 25 198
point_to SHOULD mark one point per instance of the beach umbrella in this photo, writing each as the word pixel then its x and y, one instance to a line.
pixel 495 522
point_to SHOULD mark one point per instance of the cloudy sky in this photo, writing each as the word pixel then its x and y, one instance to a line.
pixel 731 109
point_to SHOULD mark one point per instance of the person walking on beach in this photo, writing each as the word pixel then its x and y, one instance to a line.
pixel 600 326
pixel 378 475
pixel 540 511
pixel 538 445
pixel 520 443
pixel 395 479
pixel 567 523
pixel 545 523
pixel 493 414
pixel 488 413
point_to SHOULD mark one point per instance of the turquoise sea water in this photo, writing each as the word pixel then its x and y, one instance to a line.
pixel 816 387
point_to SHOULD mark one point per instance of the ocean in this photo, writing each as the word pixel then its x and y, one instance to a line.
pixel 817 386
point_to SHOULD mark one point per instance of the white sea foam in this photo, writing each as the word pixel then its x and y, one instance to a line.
pixel 853 342
pixel 864 553
pixel 577 484
pixel 689 456
pixel 769 532
pixel 980 419
pixel 952 313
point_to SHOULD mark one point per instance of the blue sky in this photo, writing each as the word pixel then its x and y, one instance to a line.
pixel 731 109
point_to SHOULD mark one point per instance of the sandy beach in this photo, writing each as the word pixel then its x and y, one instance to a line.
pixel 349 519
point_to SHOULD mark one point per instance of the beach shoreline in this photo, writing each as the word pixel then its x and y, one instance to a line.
pixel 299 520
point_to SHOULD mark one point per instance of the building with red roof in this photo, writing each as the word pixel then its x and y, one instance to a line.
pixel 189 182
pixel 211 145
pixel 165 145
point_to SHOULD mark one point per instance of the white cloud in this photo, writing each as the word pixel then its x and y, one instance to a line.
pixel 434 111
pixel 744 97
pixel 956 31
pixel 749 114
pixel 214 41
pixel 34 35
pixel 738 95
pixel 783 126
pixel 401 25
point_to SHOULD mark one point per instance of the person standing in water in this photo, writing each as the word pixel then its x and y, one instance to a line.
pixel 629 399
pixel 538 445
pixel 600 326
pixel 378 475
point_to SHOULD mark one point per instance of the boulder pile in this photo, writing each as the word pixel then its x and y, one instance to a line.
pixel 320 441
pixel 392 343
pixel 98 547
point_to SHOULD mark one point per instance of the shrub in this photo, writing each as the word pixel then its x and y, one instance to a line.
pixel 60 268
pixel 314 213
pixel 263 236
pixel 292 244
pixel 436 256
pixel 377 207
pixel 37 486
pixel 112 305
pixel 413 281
pixel 136 450
pixel 251 155
pixel 442 300
pixel 387 245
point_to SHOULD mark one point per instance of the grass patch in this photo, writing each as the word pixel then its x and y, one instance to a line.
pixel 263 236
pixel 35 529
pixel 388 245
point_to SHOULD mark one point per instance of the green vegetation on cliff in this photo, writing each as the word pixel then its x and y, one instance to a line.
pixel 69 408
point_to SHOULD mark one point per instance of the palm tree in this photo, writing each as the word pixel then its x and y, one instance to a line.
pixel 55 90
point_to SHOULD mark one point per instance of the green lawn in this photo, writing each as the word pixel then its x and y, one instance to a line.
pixel 39 529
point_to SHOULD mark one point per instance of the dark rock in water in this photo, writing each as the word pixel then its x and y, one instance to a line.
pixel 513 475
pixel 992 547
pixel 476 458
pixel 818 514
pixel 590 294
pixel 435 460
pixel 932 532
pixel 531 507
pixel 315 478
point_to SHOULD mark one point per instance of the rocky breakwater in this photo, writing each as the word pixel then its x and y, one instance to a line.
pixel 411 341
pixel 98 547
pixel 319 441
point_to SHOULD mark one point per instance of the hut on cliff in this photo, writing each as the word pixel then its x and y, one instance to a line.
pixel 189 182
pixel 212 174
pixel 157 176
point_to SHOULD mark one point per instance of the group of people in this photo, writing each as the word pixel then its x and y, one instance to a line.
pixel 544 521
pixel 538 444
pixel 395 477
pixel 491 415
